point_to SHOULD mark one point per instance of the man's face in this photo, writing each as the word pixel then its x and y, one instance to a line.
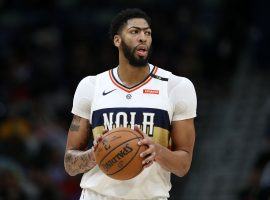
pixel 136 42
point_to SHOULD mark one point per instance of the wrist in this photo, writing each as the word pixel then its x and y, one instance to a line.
pixel 91 155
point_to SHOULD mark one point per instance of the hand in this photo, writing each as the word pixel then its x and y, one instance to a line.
pixel 150 153
pixel 97 141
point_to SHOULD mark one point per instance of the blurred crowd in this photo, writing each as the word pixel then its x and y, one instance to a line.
pixel 47 46
pixel 258 181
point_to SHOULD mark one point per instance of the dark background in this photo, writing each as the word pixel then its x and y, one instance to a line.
pixel 48 46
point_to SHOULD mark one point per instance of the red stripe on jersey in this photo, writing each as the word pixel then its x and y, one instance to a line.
pixel 129 90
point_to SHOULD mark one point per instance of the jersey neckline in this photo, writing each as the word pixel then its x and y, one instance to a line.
pixel 135 87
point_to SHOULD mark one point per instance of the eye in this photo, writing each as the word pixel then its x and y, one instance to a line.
pixel 134 31
pixel 148 33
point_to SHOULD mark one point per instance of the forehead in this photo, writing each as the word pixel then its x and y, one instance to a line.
pixel 136 22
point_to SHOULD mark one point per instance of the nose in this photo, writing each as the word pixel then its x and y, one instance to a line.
pixel 142 37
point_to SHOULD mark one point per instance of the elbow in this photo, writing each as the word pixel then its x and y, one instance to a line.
pixel 184 167
pixel 69 171
pixel 71 174
pixel 68 166
pixel 183 170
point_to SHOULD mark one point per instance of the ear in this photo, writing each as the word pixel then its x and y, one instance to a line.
pixel 117 40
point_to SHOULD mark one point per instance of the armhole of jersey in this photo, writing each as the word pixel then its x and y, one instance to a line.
pixel 96 83
pixel 168 74
pixel 98 79
pixel 171 106
pixel 165 77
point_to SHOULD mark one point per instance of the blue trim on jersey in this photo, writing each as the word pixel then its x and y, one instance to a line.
pixel 161 118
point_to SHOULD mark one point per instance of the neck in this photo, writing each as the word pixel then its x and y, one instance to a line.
pixel 131 75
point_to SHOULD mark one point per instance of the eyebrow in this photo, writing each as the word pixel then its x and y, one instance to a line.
pixel 136 27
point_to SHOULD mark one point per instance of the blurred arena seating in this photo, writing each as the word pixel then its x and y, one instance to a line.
pixel 47 46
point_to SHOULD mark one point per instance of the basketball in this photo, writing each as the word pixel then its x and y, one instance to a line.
pixel 118 153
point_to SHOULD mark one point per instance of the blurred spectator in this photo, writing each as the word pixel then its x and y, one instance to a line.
pixel 11 181
pixel 258 186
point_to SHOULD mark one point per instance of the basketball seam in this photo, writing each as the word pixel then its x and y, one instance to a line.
pixel 127 162
pixel 120 131
pixel 136 137
pixel 122 143
pixel 117 147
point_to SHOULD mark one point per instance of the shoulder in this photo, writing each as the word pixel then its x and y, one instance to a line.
pixel 85 86
pixel 162 72
pixel 182 95
pixel 174 80
pixel 105 73
pixel 179 82
pixel 88 81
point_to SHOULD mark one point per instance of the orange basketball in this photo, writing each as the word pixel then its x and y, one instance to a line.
pixel 118 153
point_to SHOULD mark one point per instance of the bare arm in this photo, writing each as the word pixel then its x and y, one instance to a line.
pixel 178 160
pixel 77 159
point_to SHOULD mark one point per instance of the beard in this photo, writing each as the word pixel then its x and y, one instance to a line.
pixel 133 60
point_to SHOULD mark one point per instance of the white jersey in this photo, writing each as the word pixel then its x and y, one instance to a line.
pixel 152 104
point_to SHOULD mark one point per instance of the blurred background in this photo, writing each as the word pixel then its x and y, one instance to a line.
pixel 48 46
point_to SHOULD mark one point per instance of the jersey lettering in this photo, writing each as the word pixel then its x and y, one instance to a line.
pixel 112 120
pixel 108 122
pixel 148 123
pixel 118 121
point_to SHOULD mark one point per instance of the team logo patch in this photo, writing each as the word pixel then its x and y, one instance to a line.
pixel 128 96
pixel 147 91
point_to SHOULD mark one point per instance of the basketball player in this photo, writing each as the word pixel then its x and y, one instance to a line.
pixel 141 96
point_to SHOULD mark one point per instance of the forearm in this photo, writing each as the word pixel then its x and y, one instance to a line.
pixel 177 162
pixel 77 162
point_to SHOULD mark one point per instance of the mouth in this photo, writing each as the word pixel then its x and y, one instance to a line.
pixel 142 50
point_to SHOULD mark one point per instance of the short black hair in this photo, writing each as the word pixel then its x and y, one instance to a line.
pixel 123 16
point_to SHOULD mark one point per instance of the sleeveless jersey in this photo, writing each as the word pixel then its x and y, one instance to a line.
pixel 152 105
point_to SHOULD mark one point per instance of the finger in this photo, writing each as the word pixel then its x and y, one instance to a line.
pixel 94 147
pixel 99 138
pixel 148 164
pixel 150 158
pixel 137 128
pixel 97 141
pixel 147 152
pixel 144 142
pixel 104 131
